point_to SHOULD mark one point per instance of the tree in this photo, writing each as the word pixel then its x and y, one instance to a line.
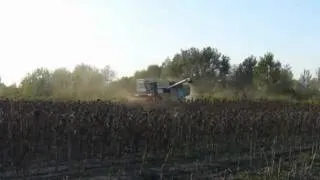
pixel 37 84
pixel 243 74
pixel 224 70
pixel 88 82
pixel 205 67
pixel 2 86
pixel 195 63
pixel 173 68
pixel 165 68
pixel 316 80
pixel 318 74
pixel 153 71
pixel 210 62
pixel 267 71
pixel 286 82
pixel 224 66
pixel 62 86
pixel 305 78
pixel 108 74
pixel 305 88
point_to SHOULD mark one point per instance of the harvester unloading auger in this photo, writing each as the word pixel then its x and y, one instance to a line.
pixel 150 91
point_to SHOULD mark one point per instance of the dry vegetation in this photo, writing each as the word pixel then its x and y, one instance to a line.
pixel 200 139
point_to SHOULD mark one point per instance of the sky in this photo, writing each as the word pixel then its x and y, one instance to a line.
pixel 131 34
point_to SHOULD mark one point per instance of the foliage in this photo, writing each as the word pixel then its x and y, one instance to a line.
pixel 211 71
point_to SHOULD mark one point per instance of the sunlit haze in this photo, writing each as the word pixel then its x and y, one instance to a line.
pixel 131 34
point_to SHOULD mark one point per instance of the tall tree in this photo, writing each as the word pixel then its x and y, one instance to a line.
pixel 244 74
pixel 108 74
pixel 305 78
pixel 62 85
pixel 286 82
pixel 88 81
pixel 205 63
pixel 224 67
pixel 37 84
pixel 318 74
pixel 153 71
pixel 267 71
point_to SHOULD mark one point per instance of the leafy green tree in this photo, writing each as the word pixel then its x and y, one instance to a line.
pixel 286 83
pixel 172 68
pixel 2 87
pixel 108 74
pixel 166 68
pixel 318 73
pixel 206 67
pixel 244 73
pixel 224 70
pixel 88 82
pixel 305 79
pixel 37 84
pixel 267 71
pixel 224 66
pixel 153 71
pixel 316 80
pixel 306 88
pixel 195 63
pixel 62 85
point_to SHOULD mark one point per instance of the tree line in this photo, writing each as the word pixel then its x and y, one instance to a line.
pixel 211 71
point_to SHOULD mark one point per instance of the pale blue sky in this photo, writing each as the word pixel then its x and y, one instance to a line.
pixel 131 34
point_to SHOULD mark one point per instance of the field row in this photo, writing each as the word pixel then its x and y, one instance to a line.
pixel 42 131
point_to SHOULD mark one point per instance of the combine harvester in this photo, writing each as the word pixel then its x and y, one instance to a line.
pixel 150 91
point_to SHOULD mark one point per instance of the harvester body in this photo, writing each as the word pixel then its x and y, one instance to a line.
pixel 153 90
